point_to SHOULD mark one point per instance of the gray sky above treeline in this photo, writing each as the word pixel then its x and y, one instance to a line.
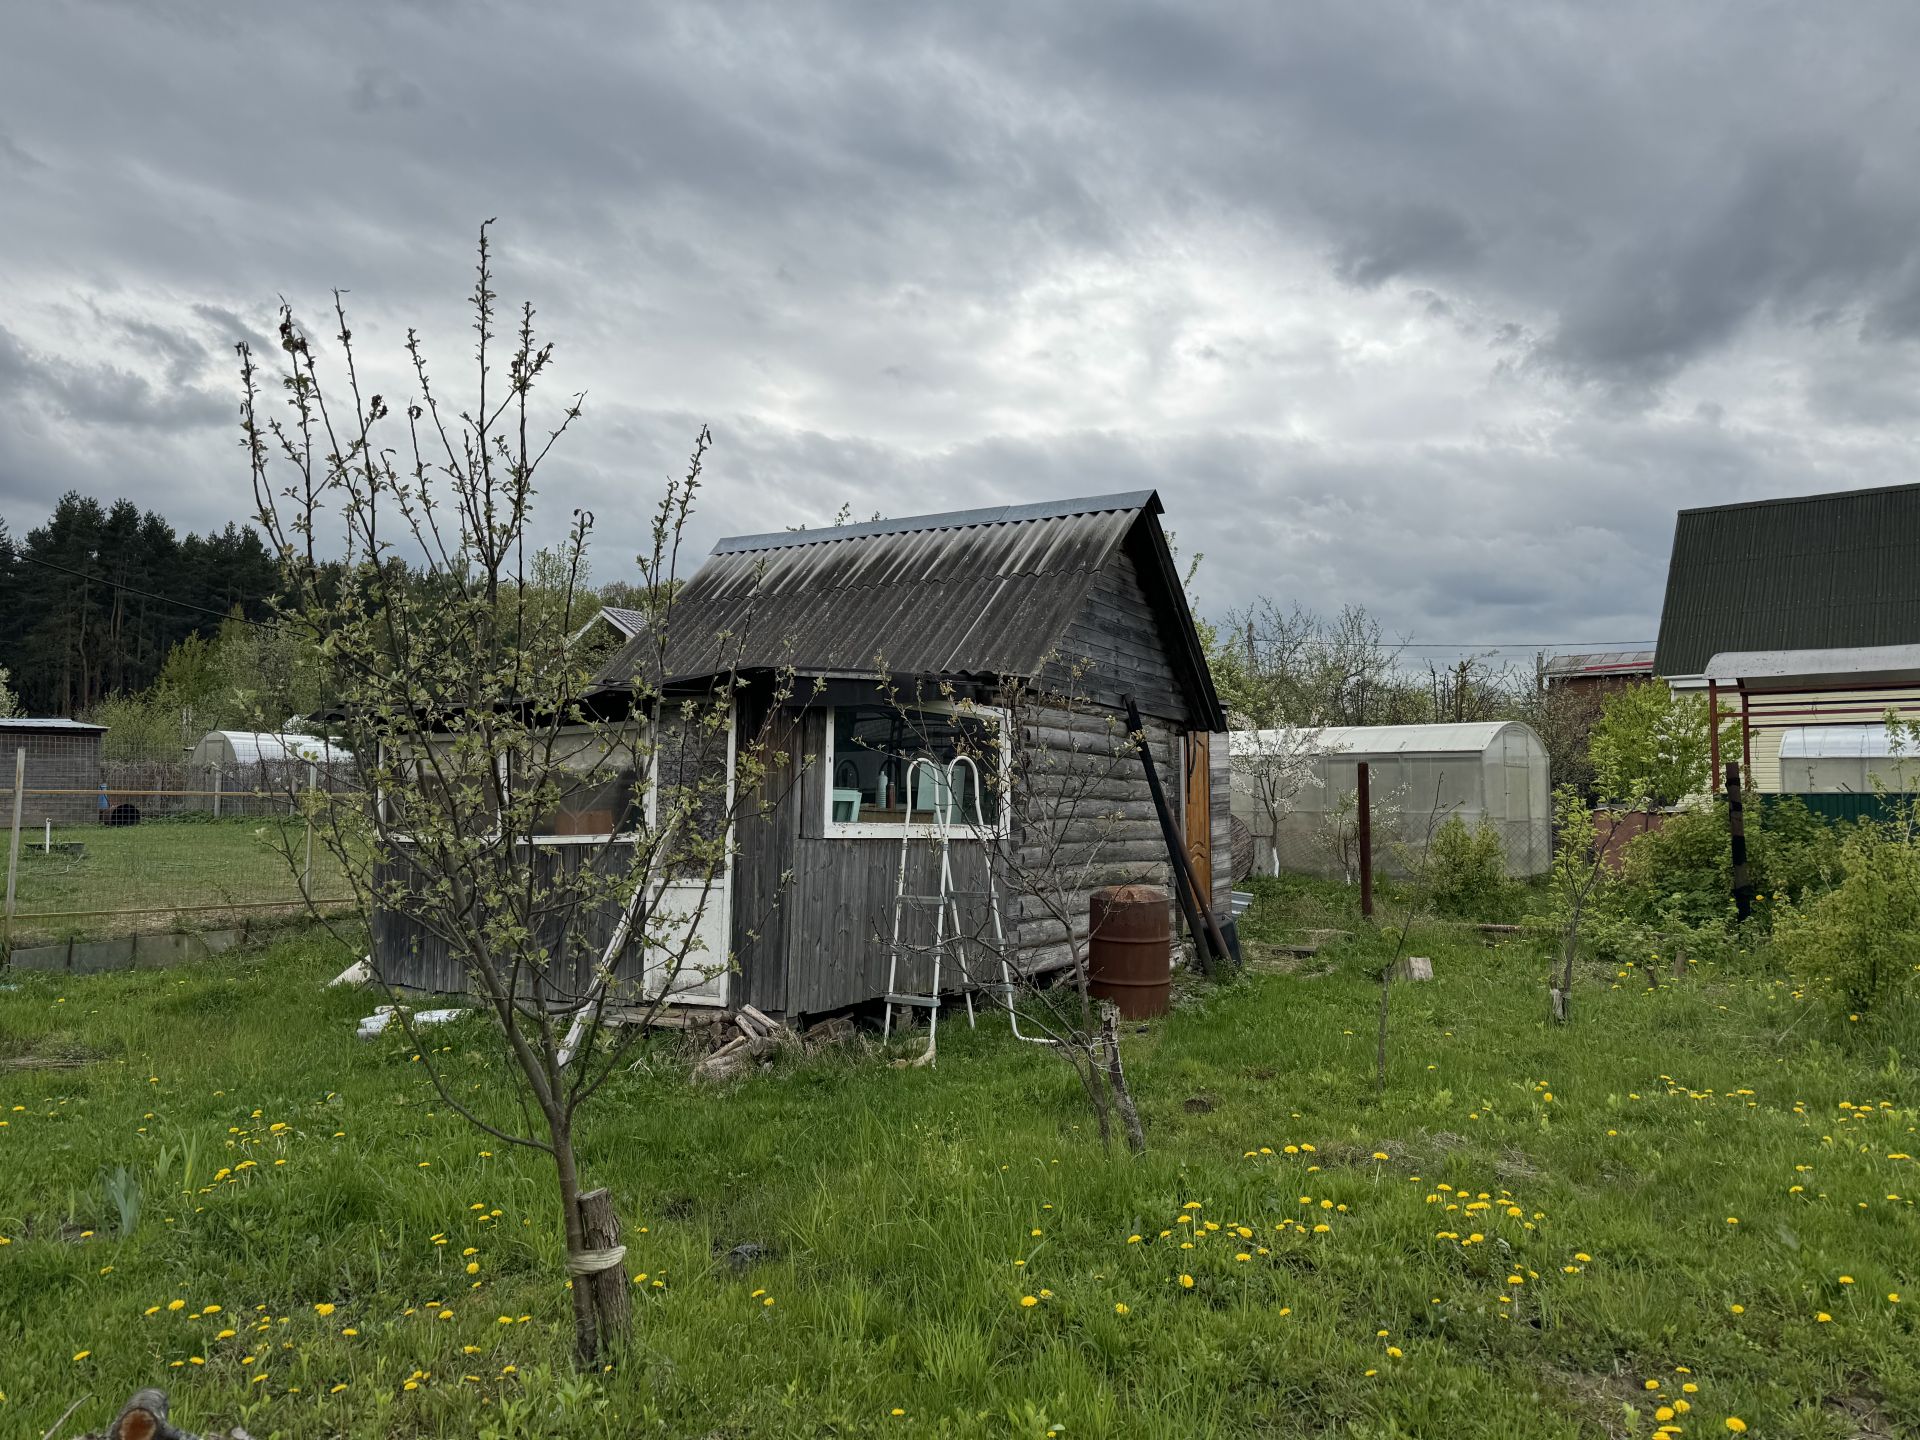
pixel 1440 309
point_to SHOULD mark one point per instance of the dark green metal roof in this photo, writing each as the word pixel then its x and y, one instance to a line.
pixel 1810 573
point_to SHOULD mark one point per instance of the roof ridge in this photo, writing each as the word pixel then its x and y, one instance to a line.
pixel 942 520
pixel 1801 499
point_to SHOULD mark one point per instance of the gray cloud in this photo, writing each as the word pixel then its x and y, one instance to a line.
pixel 1437 309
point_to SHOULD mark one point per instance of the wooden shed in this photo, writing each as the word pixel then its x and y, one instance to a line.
pixel 928 636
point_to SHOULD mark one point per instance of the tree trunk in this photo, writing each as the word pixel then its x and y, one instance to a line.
pixel 587 1339
pixel 613 1309
pixel 1117 1081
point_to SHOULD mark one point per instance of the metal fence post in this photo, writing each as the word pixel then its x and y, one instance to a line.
pixel 306 873
pixel 216 792
pixel 1363 797
pixel 13 847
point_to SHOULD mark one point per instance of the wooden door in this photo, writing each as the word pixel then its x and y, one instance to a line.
pixel 1198 809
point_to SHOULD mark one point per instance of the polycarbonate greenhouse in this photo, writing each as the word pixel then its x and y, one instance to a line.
pixel 1494 772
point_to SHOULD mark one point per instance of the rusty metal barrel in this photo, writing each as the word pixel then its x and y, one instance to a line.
pixel 1130 952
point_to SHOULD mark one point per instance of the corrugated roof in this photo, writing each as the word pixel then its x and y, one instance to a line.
pixel 1808 573
pixel 27 723
pixel 1360 741
pixel 1600 662
pixel 627 622
pixel 1857 662
pixel 971 593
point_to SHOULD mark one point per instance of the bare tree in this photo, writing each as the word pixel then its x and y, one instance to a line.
pixel 558 830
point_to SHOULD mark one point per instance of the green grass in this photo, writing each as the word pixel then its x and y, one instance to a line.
pixel 899 1211
pixel 163 874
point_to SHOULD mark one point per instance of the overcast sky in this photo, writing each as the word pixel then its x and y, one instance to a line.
pixel 1442 310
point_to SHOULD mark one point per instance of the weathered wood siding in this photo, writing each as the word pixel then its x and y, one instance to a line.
pixel 1220 761
pixel 1119 635
pixel 1089 816
pixel 408 954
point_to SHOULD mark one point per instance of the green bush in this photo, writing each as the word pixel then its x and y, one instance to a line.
pixel 1864 933
pixel 1466 872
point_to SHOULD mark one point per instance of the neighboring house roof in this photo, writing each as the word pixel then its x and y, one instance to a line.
pixel 971 593
pixel 628 622
pixel 27 725
pixel 1812 572
pixel 1594 664
pixel 1360 741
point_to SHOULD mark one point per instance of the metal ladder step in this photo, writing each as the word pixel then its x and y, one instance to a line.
pixel 925 1002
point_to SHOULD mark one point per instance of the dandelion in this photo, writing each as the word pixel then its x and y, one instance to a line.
pixel 473 1267
pixel 176 1304
pixel 1738 1309
pixel 1691 1388
pixel 1186 1282
pixel 1394 1351
pixel 1120 1308
pixel 1822 1318
pixel 1736 1425
pixel 80 1355
pixel 350 1332
pixel 896 1411
pixel 323 1309
pixel 1650 1385
pixel 1846 1279
pixel 1027 1302
pixel 224 1335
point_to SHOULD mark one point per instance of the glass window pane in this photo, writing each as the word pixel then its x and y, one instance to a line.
pixel 874 749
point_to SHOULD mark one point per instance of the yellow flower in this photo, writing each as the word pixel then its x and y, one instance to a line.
pixel 349 1331
pixel 1691 1388
pixel 1394 1351
pixel 1133 1239
pixel 1186 1282
pixel 473 1267
pixel 176 1304
pixel 1736 1424
pixel 324 1308
pixel 446 1314
pixel 338 1388
pixel 1738 1309
pixel 1119 1308
pixel 1027 1302
pixel 224 1335
pixel 896 1411
pixel 1823 1317
pixel 80 1355
pixel 1650 1385
pixel 1846 1279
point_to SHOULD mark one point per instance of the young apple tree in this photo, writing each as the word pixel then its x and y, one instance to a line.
pixel 552 824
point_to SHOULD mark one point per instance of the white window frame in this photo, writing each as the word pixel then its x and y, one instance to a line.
pixel 928 828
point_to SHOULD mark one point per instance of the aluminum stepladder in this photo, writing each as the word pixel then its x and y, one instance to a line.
pixel 945 906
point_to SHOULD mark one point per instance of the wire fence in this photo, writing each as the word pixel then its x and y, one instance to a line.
pixel 195 851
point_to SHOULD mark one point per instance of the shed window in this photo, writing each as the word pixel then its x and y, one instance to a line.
pixel 872 753
pixel 601 791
